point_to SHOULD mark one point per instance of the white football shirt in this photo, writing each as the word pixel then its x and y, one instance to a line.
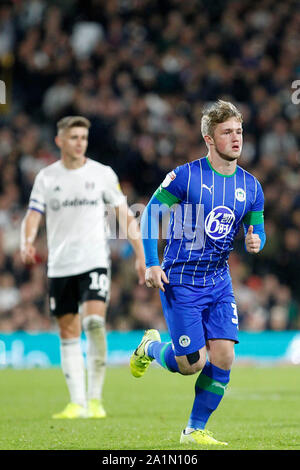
pixel 73 202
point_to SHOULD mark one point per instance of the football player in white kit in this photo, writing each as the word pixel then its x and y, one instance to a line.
pixel 72 193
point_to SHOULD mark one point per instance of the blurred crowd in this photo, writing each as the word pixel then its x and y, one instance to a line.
pixel 142 71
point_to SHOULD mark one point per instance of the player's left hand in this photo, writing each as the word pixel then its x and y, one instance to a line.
pixel 252 241
pixel 28 254
pixel 140 268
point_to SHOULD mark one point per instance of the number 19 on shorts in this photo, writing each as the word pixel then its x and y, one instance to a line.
pixel 99 282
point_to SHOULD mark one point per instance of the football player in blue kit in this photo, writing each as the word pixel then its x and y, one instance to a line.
pixel 208 199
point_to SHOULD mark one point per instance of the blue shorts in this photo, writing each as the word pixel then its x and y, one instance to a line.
pixel 196 314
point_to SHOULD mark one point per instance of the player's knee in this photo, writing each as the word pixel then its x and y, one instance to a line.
pixel 67 333
pixel 69 326
pixel 92 322
pixel 188 369
pixel 224 360
pixel 191 363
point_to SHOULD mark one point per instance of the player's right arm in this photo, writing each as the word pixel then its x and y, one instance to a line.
pixel 160 203
pixel 155 276
pixel 31 222
pixel 29 229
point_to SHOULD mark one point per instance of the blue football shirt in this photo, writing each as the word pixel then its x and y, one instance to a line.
pixel 207 211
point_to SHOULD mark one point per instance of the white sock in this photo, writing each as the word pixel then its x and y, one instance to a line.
pixel 147 346
pixel 188 430
pixel 72 364
pixel 94 327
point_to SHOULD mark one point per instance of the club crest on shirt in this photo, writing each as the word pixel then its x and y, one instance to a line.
pixel 240 194
pixel 168 179
pixel 54 204
pixel 184 341
pixel 89 185
pixel 218 222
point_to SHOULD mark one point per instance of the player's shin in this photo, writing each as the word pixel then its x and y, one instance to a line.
pixel 164 355
pixel 73 368
pixel 209 391
pixel 94 327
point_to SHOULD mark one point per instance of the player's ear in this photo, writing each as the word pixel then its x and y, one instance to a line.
pixel 57 140
pixel 208 140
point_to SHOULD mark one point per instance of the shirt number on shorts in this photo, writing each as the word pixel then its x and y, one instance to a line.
pixel 99 282
pixel 235 319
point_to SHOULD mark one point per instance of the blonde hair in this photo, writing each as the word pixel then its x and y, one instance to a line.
pixel 218 112
pixel 72 121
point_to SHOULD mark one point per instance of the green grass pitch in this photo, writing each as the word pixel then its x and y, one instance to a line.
pixel 260 410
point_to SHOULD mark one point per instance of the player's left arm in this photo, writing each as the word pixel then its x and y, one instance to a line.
pixel 255 237
pixel 114 196
pixel 130 227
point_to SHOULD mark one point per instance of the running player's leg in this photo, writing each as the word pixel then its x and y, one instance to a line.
pixel 64 305
pixel 186 353
pixel 220 324
pixel 212 382
pixel 183 308
pixel 94 293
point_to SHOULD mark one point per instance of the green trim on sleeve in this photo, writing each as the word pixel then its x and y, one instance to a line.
pixel 165 197
pixel 254 218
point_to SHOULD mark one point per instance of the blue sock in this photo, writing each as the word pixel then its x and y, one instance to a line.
pixel 164 355
pixel 209 390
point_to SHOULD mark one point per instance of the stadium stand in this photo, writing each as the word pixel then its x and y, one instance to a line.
pixel 141 71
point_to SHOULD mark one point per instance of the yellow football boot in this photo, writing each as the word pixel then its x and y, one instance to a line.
pixel 200 437
pixel 71 411
pixel 139 361
pixel 95 409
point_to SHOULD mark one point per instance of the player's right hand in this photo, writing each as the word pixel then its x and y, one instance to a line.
pixel 155 277
pixel 28 252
